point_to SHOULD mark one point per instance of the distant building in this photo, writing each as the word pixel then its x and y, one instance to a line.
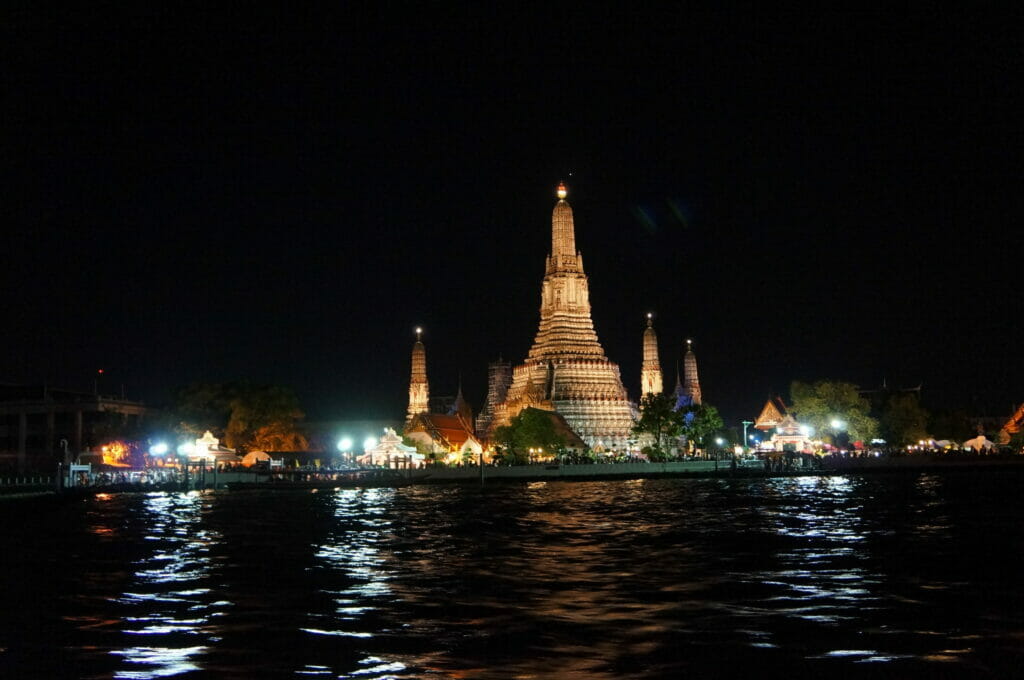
pixel 1012 426
pixel 419 388
pixel 691 383
pixel 448 437
pixel 499 377
pixel 389 451
pixel 772 414
pixel 787 433
pixel 566 370
pixel 650 371
pixel 40 425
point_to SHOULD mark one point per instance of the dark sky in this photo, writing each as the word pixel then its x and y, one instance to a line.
pixel 204 195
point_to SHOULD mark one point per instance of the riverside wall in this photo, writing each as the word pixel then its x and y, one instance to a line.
pixel 567 472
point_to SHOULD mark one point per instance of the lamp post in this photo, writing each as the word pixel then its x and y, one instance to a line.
pixel 838 426
pixel 345 446
pixel 746 424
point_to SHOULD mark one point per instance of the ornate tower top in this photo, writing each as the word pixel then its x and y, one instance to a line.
pixel 566 328
pixel 419 388
pixel 690 379
pixel 564 257
pixel 650 373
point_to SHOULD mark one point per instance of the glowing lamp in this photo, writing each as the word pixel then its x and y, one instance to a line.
pixel 562 193
pixel 345 443
pixel 158 449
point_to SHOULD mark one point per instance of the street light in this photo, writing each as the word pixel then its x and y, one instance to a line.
pixel 345 447
pixel 837 427
pixel 746 424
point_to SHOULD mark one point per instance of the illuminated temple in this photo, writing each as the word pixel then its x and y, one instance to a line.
pixel 650 370
pixel 566 370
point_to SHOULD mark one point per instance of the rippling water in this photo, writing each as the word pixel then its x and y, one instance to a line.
pixel 908 576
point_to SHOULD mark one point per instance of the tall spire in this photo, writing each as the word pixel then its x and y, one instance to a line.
pixel 690 379
pixel 565 324
pixel 566 368
pixel 461 407
pixel 564 257
pixel 650 373
pixel 419 388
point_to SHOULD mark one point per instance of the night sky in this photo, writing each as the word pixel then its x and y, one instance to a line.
pixel 203 195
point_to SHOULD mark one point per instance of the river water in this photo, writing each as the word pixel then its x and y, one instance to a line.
pixel 896 575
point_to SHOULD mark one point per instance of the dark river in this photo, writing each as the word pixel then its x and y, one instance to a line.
pixel 903 576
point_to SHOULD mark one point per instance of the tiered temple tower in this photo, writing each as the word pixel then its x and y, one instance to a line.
pixel 690 380
pixel 566 369
pixel 419 388
pixel 499 377
pixel 650 372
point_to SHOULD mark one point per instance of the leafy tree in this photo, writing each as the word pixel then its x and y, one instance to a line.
pixel 249 416
pixel 660 419
pixel 904 421
pixel 531 428
pixel 202 406
pixel 819 404
pixel 701 422
pixel 418 444
pixel 1016 442
pixel 264 414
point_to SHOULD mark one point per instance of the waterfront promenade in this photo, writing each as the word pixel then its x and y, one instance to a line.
pixel 472 474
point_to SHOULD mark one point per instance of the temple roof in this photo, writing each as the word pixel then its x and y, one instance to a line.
pixel 773 413
pixel 453 429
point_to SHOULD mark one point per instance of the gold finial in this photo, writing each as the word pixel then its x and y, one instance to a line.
pixel 419 331
pixel 689 343
pixel 650 319
pixel 562 192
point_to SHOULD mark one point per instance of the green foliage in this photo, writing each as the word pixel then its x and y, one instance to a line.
pixel 903 420
pixel 418 444
pixel 531 428
pixel 704 424
pixel 250 416
pixel 203 406
pixel 654 454
pixel 819 404
pixel 1016 442
pixel 659 419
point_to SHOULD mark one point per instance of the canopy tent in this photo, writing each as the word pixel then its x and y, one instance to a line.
pixel 979 443
pixel 254 457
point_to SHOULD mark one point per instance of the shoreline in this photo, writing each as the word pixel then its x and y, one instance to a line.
pixel 239 481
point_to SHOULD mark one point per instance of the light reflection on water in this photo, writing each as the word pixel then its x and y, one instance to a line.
pixel 170 590
pixel 600 580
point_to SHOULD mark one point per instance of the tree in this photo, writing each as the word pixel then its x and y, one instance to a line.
pixel 660 419
pixel 701 422
pixel 820 404
pixel 903 420
pixel 531 428
pixel 264 416
pixel 200 407
pixel 249 416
